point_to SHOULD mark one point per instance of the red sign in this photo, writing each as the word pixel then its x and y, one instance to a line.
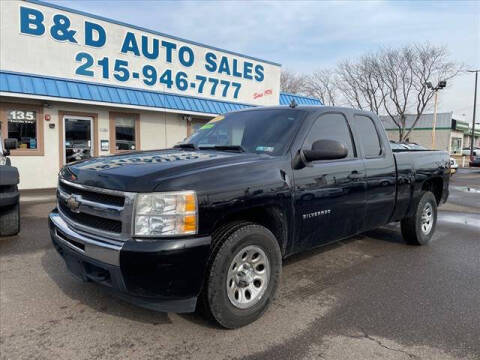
pixel 259 95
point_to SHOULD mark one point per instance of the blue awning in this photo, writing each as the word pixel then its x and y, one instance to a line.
pixel 286 99
pixel 72 89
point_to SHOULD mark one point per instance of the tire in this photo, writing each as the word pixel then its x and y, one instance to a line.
pixel 415 230
pixel 219 295
pixel 10 220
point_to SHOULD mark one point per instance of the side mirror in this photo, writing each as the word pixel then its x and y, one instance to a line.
pixel 325 150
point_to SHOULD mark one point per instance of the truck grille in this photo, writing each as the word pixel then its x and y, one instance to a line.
pixel 93 196
pixel 91 220
pixel 105 212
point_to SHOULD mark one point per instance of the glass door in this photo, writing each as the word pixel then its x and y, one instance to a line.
pixel 77 138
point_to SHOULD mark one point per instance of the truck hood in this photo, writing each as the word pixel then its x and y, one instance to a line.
pixel 144 171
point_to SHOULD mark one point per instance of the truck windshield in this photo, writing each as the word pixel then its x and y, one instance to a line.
pixel 257 131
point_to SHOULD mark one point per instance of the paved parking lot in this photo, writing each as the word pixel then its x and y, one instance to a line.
pixel 369 297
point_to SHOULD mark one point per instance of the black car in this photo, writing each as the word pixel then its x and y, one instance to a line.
pixel 9 195
pixel 475 160
pixel 207 224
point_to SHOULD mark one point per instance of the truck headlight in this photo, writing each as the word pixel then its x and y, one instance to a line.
pixel 166 214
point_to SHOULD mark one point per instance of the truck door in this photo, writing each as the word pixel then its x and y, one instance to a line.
pixel 380 168
pixel 329 194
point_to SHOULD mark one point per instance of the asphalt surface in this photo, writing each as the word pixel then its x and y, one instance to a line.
pixel 369 297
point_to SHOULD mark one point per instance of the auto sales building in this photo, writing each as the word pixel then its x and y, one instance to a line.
pixel 75 85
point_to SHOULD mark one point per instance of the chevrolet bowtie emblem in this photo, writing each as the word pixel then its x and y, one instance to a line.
pixel 73 203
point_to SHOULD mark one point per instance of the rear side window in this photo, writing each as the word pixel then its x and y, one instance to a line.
pixel 368 136
pixel 331 127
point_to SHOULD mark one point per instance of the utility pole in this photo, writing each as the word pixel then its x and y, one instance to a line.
pixel 472 141
pixel 441 84
pixel 434 119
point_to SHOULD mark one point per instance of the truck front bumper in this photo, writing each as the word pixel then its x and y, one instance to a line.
pixel 162 275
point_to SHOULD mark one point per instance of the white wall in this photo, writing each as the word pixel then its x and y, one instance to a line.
pixel 424 138
pixel 176 129
pixel 154 126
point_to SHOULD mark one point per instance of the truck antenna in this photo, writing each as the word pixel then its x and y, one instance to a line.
pixel 293 104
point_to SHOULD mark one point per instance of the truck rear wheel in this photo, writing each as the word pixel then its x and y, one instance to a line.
pixel 243 275
pixel 419 228
pixel 10 220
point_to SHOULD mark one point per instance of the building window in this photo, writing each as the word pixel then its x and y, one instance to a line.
pixel 23 122
pixel 124 132
pixel 456 147
pixel 22 125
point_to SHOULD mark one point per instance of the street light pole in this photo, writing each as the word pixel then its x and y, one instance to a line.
pixel 441 84
pixel 434 119
pixel 472 142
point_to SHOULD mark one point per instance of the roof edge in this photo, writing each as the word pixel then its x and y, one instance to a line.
pixel 301 99
pixel 120 87
pixel 298 95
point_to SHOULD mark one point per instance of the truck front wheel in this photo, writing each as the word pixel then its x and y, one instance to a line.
pixel 10 220
pixel 419 228
pixel 243 275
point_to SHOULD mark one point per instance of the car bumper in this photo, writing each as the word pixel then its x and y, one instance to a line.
pixel 475 163
pixel 162 275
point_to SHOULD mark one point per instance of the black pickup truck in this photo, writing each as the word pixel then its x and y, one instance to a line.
pixel 9 195
pixel 208 222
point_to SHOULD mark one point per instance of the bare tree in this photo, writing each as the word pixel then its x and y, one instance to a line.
pixel 430 65
pixel 322 84
pixel 393 81
pixel 360 84
pixel 292 82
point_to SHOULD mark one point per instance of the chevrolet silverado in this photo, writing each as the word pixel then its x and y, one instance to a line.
pixel 207 223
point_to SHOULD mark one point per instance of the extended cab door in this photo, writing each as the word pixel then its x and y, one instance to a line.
pixel 380 168
pixel 329 196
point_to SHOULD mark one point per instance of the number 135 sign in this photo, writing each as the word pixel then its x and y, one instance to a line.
pixel 20 116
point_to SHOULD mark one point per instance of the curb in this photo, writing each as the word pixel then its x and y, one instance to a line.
pixel 37 199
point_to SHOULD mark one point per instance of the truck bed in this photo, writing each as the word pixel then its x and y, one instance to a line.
pixel 413 168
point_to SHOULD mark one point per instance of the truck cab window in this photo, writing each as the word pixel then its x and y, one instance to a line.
pixel 261 132
pixel 368 136
pixel 332 127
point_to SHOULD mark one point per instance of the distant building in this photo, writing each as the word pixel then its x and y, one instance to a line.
pixel 451 135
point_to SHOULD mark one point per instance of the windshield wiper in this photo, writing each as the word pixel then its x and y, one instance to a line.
pixel 186 146
pixel 237 148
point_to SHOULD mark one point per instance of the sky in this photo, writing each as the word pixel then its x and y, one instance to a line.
pixel 308 35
